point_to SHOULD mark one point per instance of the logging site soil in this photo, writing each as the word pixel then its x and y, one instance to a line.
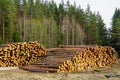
pixel 112 73
pixel 31 61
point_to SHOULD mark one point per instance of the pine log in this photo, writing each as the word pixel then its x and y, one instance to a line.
pixel 18 54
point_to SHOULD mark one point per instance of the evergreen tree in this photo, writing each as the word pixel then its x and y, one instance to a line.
pixel 24 26
pixel 52 25
pixel 3 14
pixel 115 30
pixel 102 30
pixel 87 25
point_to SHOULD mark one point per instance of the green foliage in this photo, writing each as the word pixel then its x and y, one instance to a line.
pixel 115 31
pixel 1 40
pixel 51 24
pixel 92 27
pixel 16 36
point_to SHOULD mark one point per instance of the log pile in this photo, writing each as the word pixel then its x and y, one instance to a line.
pixel 74 59
pixel 21 54
pixel 90 59
pixel 54 58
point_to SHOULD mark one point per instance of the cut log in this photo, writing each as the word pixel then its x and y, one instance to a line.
pixel 90 59
pixel 74 59
pixel 19 54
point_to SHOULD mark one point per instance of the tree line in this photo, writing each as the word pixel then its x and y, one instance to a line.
pixel 49 23
pixel 114 31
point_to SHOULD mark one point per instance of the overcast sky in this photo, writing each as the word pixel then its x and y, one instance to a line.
pixel 106 8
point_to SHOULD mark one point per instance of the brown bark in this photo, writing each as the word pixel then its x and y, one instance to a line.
pixel 19 54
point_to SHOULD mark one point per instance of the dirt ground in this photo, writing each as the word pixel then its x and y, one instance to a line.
pixel 14 73
pixel 112 73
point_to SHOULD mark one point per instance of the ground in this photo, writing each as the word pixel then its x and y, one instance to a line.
pixel 112 73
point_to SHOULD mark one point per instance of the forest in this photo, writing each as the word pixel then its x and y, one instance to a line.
pixel 53 25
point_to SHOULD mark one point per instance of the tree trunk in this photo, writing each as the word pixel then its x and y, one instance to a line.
pixel 24 28
pixel 3 30
pixel 73 34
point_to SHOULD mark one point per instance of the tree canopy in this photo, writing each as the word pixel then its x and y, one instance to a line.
pixel 50 24
pixel 115 31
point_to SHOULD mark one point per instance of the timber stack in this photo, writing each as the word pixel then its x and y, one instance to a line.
pixel 90 59
pixel 68 58
pixel 20 54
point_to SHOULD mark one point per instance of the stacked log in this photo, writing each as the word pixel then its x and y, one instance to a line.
pixel 54 58
pixel 90 59
pixel 21 54
pixel 76 46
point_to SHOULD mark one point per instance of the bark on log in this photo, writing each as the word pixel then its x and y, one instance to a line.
pixel 90 59
pixel 20 54
pixel 75 59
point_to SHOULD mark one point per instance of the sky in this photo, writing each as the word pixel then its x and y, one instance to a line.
pixel 106 8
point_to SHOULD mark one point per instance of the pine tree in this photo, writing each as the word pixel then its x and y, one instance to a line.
pixel 51 24
pixel 115 30
pixel 102 30
pixel 3 11
pixel 87 25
